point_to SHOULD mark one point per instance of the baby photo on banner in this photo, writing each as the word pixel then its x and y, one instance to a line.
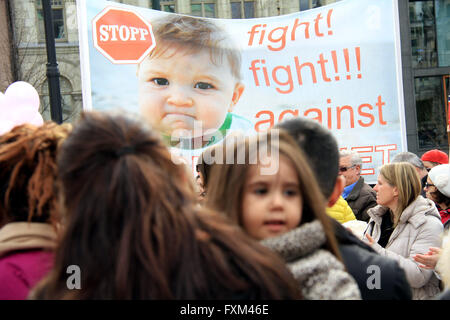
pixel 197 80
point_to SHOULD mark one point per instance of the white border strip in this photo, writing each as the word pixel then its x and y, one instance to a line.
pixel 84 54
pixel 399 74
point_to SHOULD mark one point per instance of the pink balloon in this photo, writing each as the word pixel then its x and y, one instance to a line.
pixel 23 94
pixel 34 118
pixel 18 116
pixel 5 126
pixel 19 105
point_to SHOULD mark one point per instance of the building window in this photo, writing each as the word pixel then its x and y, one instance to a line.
pixel 68 105
pixel 59 28
pixel 310 4
pixel 442 32
pixel 203 8
pixel 316 3
pixel 167 6
pixel 423 34
pixel 304 5
pixel 430 108
pixel 242 9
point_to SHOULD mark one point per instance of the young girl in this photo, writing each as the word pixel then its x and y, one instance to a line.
pixel 133 227
pixel 283 209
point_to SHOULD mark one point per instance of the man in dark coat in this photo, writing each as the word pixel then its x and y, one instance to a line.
pixel 378 277
pixel 359 195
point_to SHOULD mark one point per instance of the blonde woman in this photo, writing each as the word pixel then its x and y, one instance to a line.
pixel 404 224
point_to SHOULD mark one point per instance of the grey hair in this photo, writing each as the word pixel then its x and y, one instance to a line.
pixel 355 158
pixel 408 157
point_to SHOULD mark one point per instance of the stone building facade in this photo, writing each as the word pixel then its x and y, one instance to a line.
pixel 30 55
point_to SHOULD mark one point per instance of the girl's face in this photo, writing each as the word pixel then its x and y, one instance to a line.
pixel 272 204
pixel 387 195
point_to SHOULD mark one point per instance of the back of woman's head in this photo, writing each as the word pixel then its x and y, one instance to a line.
pixel 28 173
pixel 228 178
pixel 404 177
pixel 130 222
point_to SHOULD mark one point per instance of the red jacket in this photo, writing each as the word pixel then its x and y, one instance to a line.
pixel 22 270
pixel 26 256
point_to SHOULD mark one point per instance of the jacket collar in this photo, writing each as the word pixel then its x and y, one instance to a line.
pixel 377 213
pixel 354 194
pixel 26 235
pixel 298 242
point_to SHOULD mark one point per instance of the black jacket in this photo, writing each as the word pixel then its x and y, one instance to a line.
pixel 362 198
pixel 362 262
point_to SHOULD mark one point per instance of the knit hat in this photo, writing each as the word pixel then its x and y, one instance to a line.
pixel 440 176
pixel 435 156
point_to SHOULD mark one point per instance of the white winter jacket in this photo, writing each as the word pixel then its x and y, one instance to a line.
pixel 419 228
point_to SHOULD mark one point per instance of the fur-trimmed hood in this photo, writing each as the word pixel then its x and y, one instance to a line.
pixel 298 242
pixel 321 276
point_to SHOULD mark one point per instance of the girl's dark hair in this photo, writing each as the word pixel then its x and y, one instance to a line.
pixel 28 173
pixel 135 230
pixel 227 180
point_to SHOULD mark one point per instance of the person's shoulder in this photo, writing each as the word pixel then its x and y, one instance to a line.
pixel 367 188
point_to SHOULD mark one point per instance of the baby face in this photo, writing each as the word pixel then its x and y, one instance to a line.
pixel 176 90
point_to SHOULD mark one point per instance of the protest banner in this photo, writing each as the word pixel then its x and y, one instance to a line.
pixel 339 64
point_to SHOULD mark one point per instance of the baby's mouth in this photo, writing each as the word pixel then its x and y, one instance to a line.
pixel 178 120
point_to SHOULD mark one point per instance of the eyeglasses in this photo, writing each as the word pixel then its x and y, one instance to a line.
pixel 428 185
pixel 343 169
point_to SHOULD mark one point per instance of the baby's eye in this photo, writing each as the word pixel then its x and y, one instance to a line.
pixel 160 81
pixel 203 85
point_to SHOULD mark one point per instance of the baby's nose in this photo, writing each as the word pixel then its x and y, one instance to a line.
pixel 180 97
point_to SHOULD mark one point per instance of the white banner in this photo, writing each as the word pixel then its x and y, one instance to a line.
pixel 338 64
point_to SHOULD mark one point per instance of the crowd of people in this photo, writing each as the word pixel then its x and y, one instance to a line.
pixel 105 195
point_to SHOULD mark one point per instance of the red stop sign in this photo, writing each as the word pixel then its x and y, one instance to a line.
pixel 122 35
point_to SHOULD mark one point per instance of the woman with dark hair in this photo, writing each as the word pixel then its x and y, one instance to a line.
pixel 438 190
pixel 28 208
pixel 270 191
pixel 133 227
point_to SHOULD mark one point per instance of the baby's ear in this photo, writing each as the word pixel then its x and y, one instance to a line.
pixel 237 93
